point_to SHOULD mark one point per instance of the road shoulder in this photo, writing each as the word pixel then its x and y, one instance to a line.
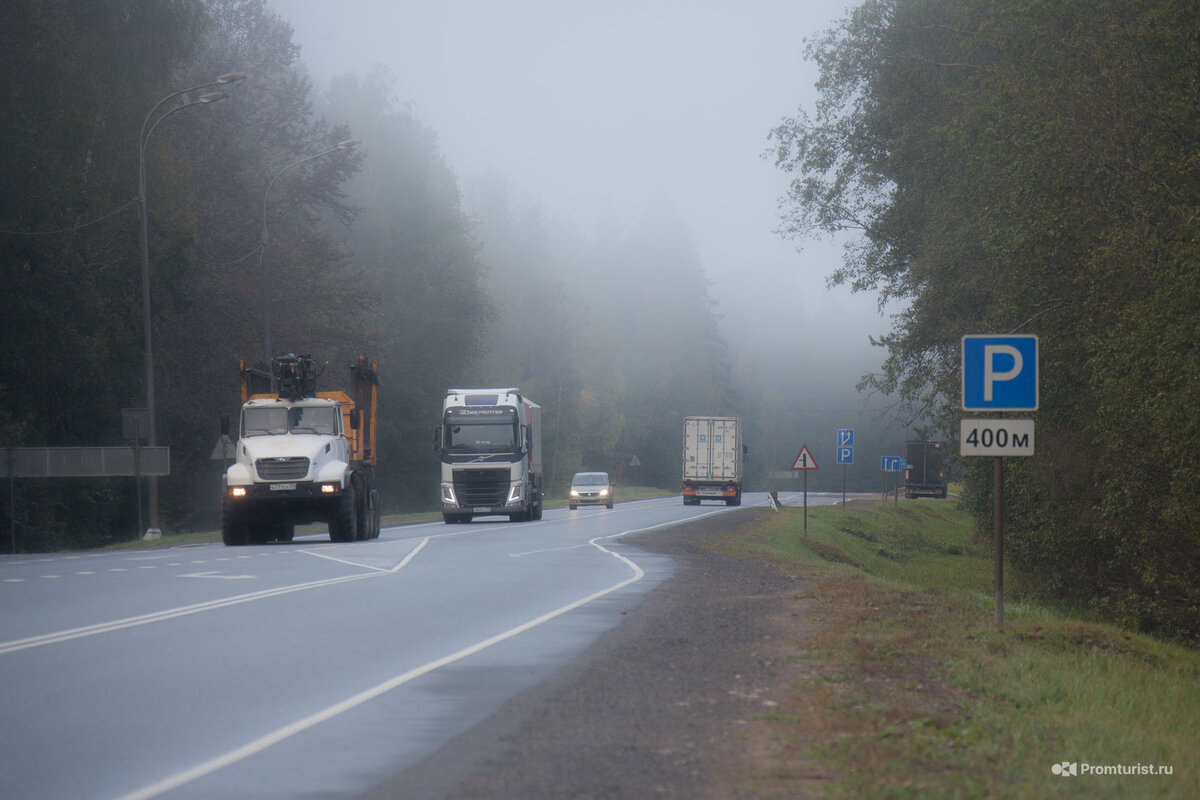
pixel 670 703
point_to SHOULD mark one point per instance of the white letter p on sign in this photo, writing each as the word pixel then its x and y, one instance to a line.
pixel 990 375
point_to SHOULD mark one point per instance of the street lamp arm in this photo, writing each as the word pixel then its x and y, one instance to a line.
pixel 212 97
pixel 348 144
pixel 222 80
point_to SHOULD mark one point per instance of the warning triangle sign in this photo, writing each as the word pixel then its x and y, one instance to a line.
pixel 805 460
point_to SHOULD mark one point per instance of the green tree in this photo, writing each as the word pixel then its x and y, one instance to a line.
pixel 79 81
pixel 416 256
pixel 1030 166
pixel 214 169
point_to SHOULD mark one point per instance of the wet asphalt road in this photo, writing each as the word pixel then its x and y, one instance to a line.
pixel 401 667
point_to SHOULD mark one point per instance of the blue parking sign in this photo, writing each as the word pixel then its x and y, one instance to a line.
pixel 845 455
pixel 999 373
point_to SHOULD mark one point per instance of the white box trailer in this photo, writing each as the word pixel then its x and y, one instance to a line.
pixel 712 459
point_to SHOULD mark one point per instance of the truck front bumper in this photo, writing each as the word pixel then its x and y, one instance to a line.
pixel 283 491
pixel 514 503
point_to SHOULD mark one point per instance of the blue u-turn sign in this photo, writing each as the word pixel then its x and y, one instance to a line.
pixel 999 373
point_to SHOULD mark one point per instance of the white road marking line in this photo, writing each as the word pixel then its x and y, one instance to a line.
pixel 216 575
pixel 350 563
pixel 172 613
pixel 286 732
pixel 411 556
pixel 160 616
pixel 524 553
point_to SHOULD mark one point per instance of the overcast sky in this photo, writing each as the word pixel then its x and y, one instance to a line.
pixel 611 107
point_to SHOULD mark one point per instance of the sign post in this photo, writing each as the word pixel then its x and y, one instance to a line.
pixel 804 461
pixel 891 464
pixel 845 455
pixel 999 373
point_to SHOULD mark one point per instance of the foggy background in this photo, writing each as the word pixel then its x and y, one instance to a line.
pixel 599 113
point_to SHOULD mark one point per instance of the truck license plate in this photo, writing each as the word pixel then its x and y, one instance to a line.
pixel 484 510
pixel 283 487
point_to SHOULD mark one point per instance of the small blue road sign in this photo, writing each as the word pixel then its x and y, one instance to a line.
pixel 845 455
pixel 845 437
pixel 891 463
pixel 999 373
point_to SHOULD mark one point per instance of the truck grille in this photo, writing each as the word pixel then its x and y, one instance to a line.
pixel 282 469
pixel 481 487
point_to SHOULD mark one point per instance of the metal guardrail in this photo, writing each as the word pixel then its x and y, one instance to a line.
pixel 83 462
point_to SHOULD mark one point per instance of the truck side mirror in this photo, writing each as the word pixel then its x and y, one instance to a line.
pixel 354 419
pixel 745 450
pixel 437 439
pixel 224 424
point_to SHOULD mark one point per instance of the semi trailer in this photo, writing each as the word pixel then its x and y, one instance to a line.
pixel 712 460
pixel 489 443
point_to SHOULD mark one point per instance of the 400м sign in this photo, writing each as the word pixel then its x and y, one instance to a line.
pixel 995 437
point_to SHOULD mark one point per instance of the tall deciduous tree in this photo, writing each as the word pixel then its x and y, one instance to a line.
pixel 79 79
pixel 417 257
pixel 1030 166
pixel 211 296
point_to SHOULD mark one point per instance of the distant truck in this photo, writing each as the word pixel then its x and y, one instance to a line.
pixel 924 475
pixel 302 455
pixel 490 446
pixel 712 460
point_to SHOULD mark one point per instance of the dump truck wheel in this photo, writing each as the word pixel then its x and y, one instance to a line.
pixel 234 525
pixel 344 526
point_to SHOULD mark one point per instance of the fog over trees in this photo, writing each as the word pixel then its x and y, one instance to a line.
pixel 1028 167
pixel 1031 167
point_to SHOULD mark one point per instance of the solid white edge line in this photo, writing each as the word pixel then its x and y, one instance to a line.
pixel 264 742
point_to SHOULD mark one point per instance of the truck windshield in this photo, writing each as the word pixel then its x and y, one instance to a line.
pixel 302 419
pixel 479 437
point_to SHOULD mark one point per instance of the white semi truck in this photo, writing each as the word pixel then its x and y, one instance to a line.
pixel 490 446
pixel 712 460
pixel 302 456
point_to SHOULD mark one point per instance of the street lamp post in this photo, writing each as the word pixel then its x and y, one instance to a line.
pixel 348 144
pixel 153 531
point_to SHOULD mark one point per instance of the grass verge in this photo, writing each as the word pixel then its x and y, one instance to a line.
pixel 909 690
